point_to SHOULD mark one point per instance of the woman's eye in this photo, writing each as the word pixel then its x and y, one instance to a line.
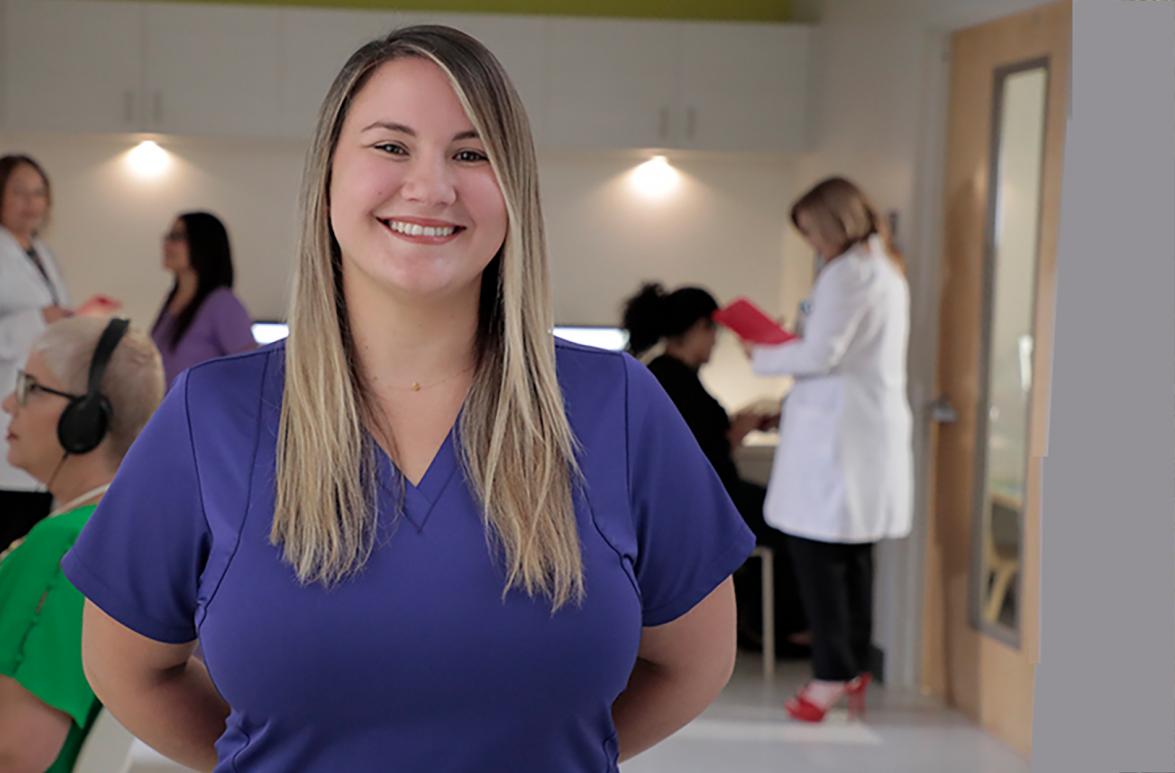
pixel 391 148
pixel 471 156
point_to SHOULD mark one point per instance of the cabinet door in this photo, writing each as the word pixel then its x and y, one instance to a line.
pixel 72 66
pixel 315 44
pixel 744 86
pixel 213 70
pixel 613 84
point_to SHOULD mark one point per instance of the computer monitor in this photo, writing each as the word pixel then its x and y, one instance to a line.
pixel 600 336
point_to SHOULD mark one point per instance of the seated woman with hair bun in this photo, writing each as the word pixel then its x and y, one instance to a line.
pixel 683 320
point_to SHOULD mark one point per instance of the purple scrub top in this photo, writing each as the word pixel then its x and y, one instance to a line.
pixel 416 663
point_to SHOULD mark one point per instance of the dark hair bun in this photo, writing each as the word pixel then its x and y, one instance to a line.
pixel 644 318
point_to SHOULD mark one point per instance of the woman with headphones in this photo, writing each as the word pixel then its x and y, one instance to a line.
pixel 86 390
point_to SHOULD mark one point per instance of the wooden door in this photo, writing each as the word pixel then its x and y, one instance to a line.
pixel 1008 94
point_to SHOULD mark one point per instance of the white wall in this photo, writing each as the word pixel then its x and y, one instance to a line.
pixel 722 228
pixel 880 90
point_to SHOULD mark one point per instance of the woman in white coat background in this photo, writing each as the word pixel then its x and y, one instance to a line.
pixel 842 474
pixel 32 296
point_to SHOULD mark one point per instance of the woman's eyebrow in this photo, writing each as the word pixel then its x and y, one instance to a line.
pixel 469 134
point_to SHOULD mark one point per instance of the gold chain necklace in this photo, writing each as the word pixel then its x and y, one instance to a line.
pixel 416 386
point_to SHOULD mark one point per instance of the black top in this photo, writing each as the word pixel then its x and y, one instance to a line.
pixel 705 416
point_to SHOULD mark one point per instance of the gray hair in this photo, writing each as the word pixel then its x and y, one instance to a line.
pixel 133 382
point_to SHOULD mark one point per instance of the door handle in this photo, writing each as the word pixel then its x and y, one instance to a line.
pixel 942 412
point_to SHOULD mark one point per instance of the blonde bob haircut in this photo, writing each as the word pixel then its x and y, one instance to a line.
pixel 844 216
pixel 517 448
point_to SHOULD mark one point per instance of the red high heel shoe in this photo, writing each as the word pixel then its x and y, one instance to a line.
pixel 802 708
pixel 855 689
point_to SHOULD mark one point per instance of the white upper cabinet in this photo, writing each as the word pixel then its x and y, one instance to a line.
pixel 693 85
pixel 744 87
pixel 213 69
pixel 72 66
pixel 611 83
pixel 315 44
pixel 256 71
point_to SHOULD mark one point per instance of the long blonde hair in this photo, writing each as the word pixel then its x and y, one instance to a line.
pixel 844 216
pixel 517 447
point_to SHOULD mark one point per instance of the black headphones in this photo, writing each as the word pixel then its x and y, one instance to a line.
pixel 86 419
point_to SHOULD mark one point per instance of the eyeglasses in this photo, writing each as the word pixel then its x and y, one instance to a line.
pixel 26 385
pixel 174 236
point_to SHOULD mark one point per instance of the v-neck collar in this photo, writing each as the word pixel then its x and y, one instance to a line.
pixel 420 499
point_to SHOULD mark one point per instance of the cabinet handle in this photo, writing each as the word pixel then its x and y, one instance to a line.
pixel 128 107
pixel 158 108
pixel 691 120
pixel 663 124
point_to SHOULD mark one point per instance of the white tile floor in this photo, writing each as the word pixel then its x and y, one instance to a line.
pixel 747 731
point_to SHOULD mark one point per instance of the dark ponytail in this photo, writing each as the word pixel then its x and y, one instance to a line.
pixel 644 318
pixel 652 314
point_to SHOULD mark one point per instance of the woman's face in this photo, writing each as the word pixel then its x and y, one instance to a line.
pixel 700 340
pixel 176 257
pixel 414 205
pixel 32 433
pixel 25 201
pixel 812 234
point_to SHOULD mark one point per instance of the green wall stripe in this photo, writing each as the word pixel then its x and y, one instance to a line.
pixel 707 10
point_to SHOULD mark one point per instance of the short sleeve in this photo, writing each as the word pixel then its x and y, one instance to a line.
pixel 41 629
pixel 233 326
pixel 690 537
pixel 141 555
pixel 51 668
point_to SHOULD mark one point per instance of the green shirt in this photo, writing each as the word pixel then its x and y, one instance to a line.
pixel 41 627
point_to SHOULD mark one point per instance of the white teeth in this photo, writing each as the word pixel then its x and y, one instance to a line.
pixel 412 229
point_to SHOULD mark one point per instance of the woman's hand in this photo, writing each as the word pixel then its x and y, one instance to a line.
pixel 52 314
pixel 741 425
pixel 99 306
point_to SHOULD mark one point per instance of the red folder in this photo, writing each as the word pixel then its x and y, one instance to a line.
pixel 750 323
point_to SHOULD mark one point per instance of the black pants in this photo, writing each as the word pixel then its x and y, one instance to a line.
pixel 789 609
pixel 19 512
pixel 836 584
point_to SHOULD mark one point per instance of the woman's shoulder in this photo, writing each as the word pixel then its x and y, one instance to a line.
pixel 222 297
pixel 578 363
pixel 54 536
pixel 228 385
pixel 597 383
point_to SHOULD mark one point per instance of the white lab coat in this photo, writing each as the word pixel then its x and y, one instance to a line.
pixel 843 471
pixel 23 293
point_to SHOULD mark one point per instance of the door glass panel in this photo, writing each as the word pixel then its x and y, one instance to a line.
pixel 1013 245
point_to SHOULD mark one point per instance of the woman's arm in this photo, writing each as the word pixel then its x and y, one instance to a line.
pixel 838 303
pixel 31 732
pixel 681 667
pixel 157 691
pixel 233 326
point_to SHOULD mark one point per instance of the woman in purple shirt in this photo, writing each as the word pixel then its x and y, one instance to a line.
pixel 420 534
pixel 201 317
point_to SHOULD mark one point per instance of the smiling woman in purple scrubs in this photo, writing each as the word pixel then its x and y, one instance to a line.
pixel 420 534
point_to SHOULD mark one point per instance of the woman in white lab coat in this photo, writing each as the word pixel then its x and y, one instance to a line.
pixel 842 475
pixel 32 295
